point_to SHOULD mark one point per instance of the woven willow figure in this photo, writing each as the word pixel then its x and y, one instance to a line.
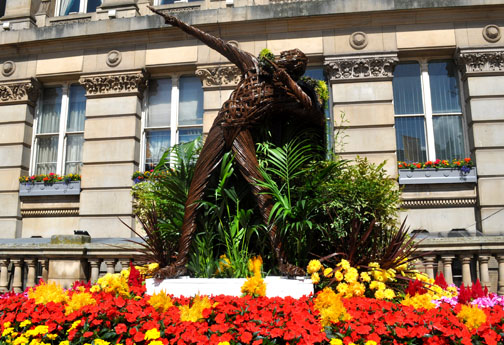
pixel 259 94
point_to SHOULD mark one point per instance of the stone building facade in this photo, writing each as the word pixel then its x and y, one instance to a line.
pixel 99 87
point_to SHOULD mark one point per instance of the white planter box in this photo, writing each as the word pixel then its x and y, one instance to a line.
pixel 443 175
pixel 185 286
pixel 42 189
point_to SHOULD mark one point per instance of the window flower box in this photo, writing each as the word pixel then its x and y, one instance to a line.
pixel 57 188
pixel 441 175
pixel 51 184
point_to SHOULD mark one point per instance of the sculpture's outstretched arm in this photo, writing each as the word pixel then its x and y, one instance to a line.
pixel 243 60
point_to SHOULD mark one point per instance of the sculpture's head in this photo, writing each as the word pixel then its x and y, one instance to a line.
pixel 294 61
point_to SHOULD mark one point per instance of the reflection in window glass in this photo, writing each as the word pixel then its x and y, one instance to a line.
pixel 2 7
pixel 448 136
pixel 159 113
pixel 191 101
pixel 92 5
pixel 47 154
pixel 410 139
pixel 48 121
pixel 407 89
pixel 69 6
pixel 73 159
pixel 76 109
pixel 444 87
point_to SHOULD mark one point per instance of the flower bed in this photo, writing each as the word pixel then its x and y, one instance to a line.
pixel 50 184
pixel 439 171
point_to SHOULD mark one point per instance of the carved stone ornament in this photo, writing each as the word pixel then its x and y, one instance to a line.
pixel 361 67
pixel 481 61
pixel 358 40
pixel 492 33
pixel 8 68
pixel 20 92
pixel 114 58
pixel 114 84
pixel 219 76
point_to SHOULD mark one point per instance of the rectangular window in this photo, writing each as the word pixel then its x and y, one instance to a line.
pixel 59 130
pixel 3 3
pixel 66 7
pixel 174 114
pixel 428 113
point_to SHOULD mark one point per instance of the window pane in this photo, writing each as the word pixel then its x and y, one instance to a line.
pixel 69 6
pixel 157 143
pixel 407 89
pixel 410 137
pixel 191 101
pixel 76 109
pixel 189 134
pixel 73 159
pixel 92 5
pixel 318 73
pixel 159 103
pixel 449 137
pixel 48 121
pixel 47 155
pixel 2 7
pixel 444 87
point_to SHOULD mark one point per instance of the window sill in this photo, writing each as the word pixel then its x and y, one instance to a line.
pixel 432 176
pixel 44 189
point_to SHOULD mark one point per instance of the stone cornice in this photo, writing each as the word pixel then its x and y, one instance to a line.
pixel 20 91
pixel 350 68
pixel 480 61
pixel 219 76
pixel 116 84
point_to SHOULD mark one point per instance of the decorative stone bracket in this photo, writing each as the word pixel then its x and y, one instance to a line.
pixel 116 84
pixel 21 91
pixel 480 61
pixel 219 76
pixel 361 67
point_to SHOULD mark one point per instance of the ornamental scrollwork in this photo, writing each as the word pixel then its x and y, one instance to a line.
pixel 114 84
pixel 19 91
pixel 361 67
pixel 480 62
pixel 219 76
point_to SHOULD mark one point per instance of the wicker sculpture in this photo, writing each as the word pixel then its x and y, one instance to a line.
pixel 259 94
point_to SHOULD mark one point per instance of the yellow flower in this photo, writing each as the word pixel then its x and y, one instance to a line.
pixel 6 324
pixel 472 316
pixel 75 324
pixel 20 341
pixel 25 323
pixel 344 264
pixel 254 265
pixel 45 293
pixel 64 342
pixel 330 307
pixel 370 342
pixel 152 334
pixel 389 293
pixel 379 294
pixel 223 343
pixel 313 266
pixel 254 286
pixel 156 342
pixel 342 288
pixel 351 275
pixel 100 342
pixel 77 301
pixel 328 272
pixel 195 312
pixel 419 301
pixel 115 283
pixel 51 336
pixel 365 277
pixel 7 331
pixel 37 330
pixel 335 341
pixel 357 289
pixel 315 278
pixel 338 276
pixel 377 285
pixel 160 301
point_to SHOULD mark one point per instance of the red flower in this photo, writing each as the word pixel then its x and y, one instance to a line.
pixel 45 179
pixel 51 174
pixel 419 165
pixel 121 328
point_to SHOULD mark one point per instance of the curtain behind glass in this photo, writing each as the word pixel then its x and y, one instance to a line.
pixel 448 137
pixel 410 139
pixel 47 154
pixel 73 156
pixel 444 87
pixel 191 101
pixel 76 109
pixel 49 117
pixel 159 108
pixel 157 143
pixel 407 89
pixel 92 5
pixel 69 6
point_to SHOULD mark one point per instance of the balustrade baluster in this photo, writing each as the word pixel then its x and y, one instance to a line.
pixel 447 268
pixel 466 269
pixel 17 283
pixel 484 275
pixel 4 275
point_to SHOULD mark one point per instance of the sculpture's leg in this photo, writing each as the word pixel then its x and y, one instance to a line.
pixel 209 159
pixel 245 155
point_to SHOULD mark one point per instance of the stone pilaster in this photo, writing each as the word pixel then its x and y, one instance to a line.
pixel 111 151
pixel 20 14
pixel 483 79
pixel 17 101
pixel 362 90
pixel 218 83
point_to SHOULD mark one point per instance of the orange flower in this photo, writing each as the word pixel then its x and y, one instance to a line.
pixel 467 160
pixel 419 165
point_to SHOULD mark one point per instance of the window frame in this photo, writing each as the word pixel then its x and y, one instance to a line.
pixel 82 8
pixel 428 113
pixel 174 126
pixel 62 131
